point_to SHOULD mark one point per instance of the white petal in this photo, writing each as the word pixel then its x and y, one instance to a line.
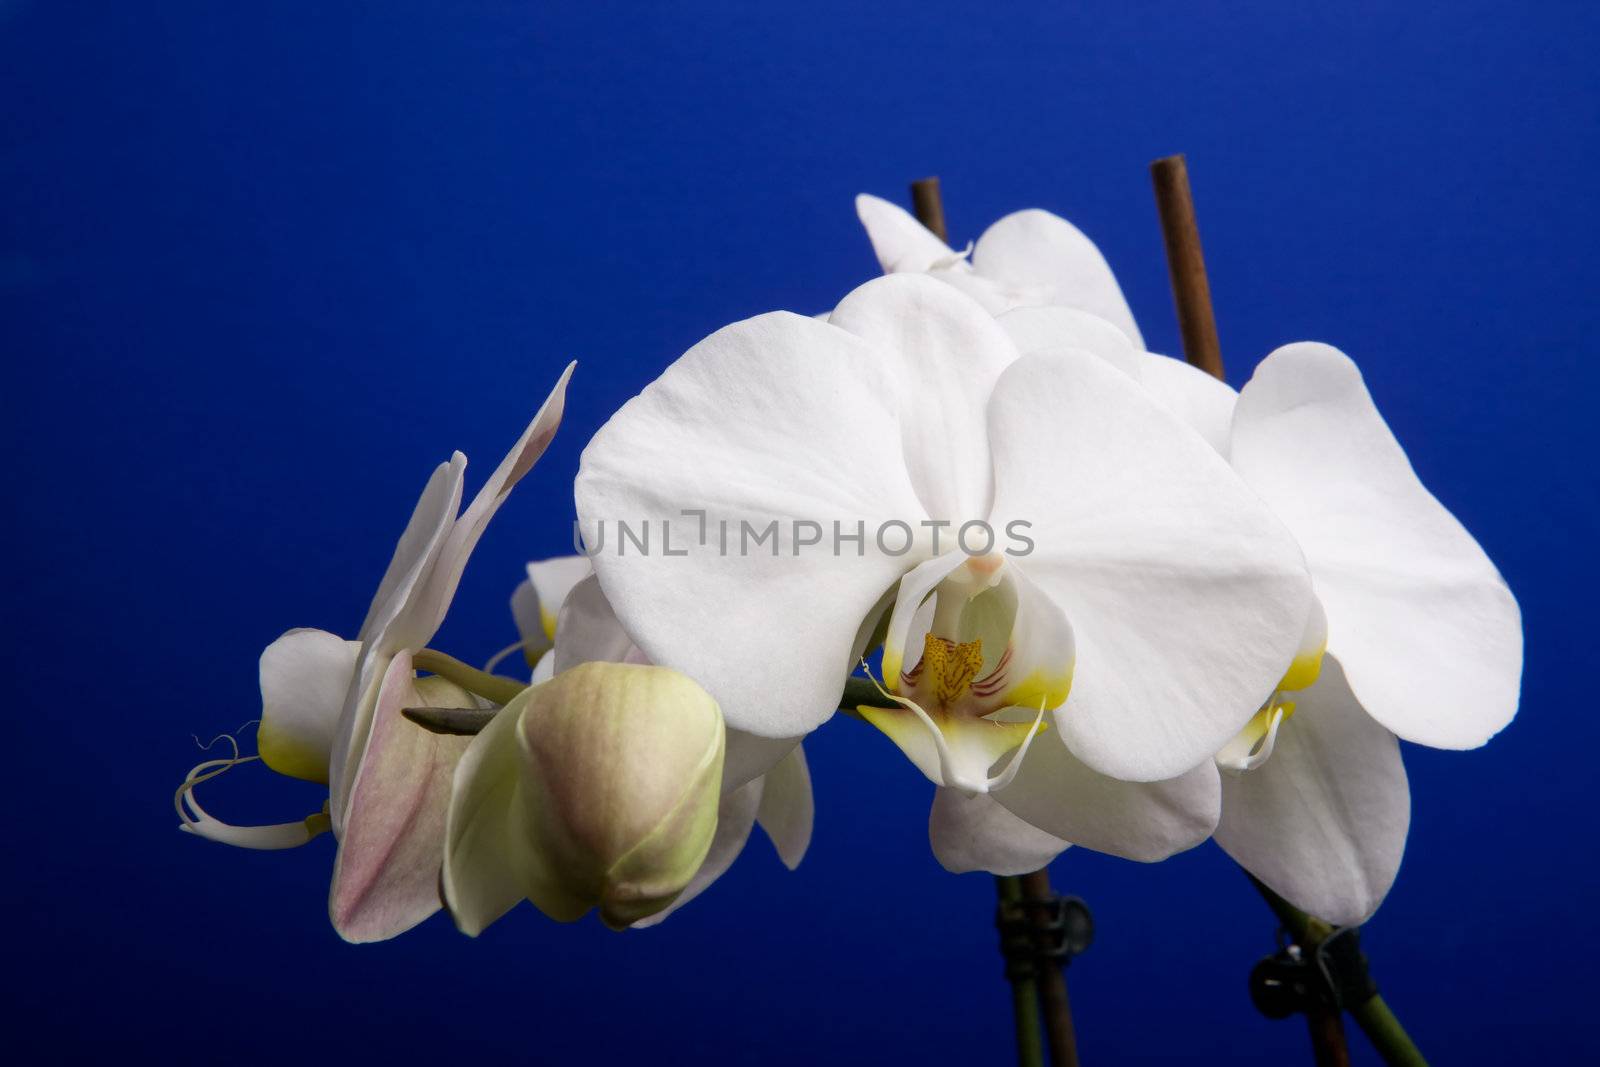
pixel 386 876
pixel 1036 248
pixel 1204 402
pixel 736 816
pixel 944 353
pixel 770 421
pixel 1186 596
pixel 908 624
pixel 1324 821
pixel 1145 821
pixel 1429 635
pixel 974 833
pixel 419 547
pixel 588 631
pixel 1045 329
pixel 750 756
pixel 900 242
pixel 305 675
pixel 786 812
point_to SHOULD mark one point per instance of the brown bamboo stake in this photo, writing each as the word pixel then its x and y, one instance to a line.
pixel 1186 265
pixel 1192 296
pixel 928 205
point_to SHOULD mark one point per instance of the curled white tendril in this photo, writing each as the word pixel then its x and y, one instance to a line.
pixel 195 819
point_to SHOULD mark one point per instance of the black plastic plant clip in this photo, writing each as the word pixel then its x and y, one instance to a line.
pixel 1039 933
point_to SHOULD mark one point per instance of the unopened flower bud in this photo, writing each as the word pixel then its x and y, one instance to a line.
pixel 596 789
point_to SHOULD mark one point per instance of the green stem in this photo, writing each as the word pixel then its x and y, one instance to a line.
pixel 481 683
pixel 1024 993
pixel 1373 1015
pixel 1386 1034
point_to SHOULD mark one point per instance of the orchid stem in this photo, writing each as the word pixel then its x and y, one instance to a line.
pixel 480 683
pixel 1024 989
pixel 1373 1015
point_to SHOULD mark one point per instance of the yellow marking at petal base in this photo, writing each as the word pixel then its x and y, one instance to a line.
pixel 1040 688
pixel 890 667
pixel 1304 670
pixel 949 667
pixel 291 757
pixel 547 623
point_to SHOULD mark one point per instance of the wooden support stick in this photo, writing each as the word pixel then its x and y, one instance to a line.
pixel 928 206
pixel 1191 294
pixel 1186 265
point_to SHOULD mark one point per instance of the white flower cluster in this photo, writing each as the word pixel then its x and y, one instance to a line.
pixel 1231 607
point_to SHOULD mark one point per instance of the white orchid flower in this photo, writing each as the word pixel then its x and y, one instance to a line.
pixel 765 781
pixel 331 711
pixel 1159 590
pixel 1027 259
pixel 1423 638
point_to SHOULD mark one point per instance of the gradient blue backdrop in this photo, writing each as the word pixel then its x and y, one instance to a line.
pixel 260 269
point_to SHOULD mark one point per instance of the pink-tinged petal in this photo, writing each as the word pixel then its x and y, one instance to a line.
pixel 414 559
pixel 386 876
pixel 433 598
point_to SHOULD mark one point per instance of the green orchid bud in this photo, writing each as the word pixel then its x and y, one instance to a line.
pixel 596 789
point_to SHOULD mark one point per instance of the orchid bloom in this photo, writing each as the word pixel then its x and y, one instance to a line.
pixel 765 782
pixel 1158 590
pixel 1027 259
pixel 331 711
pixel 1423 639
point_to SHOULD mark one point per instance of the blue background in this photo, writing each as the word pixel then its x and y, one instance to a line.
pixel 261 269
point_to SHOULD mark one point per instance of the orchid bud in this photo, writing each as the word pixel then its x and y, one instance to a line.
pixel 596 789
